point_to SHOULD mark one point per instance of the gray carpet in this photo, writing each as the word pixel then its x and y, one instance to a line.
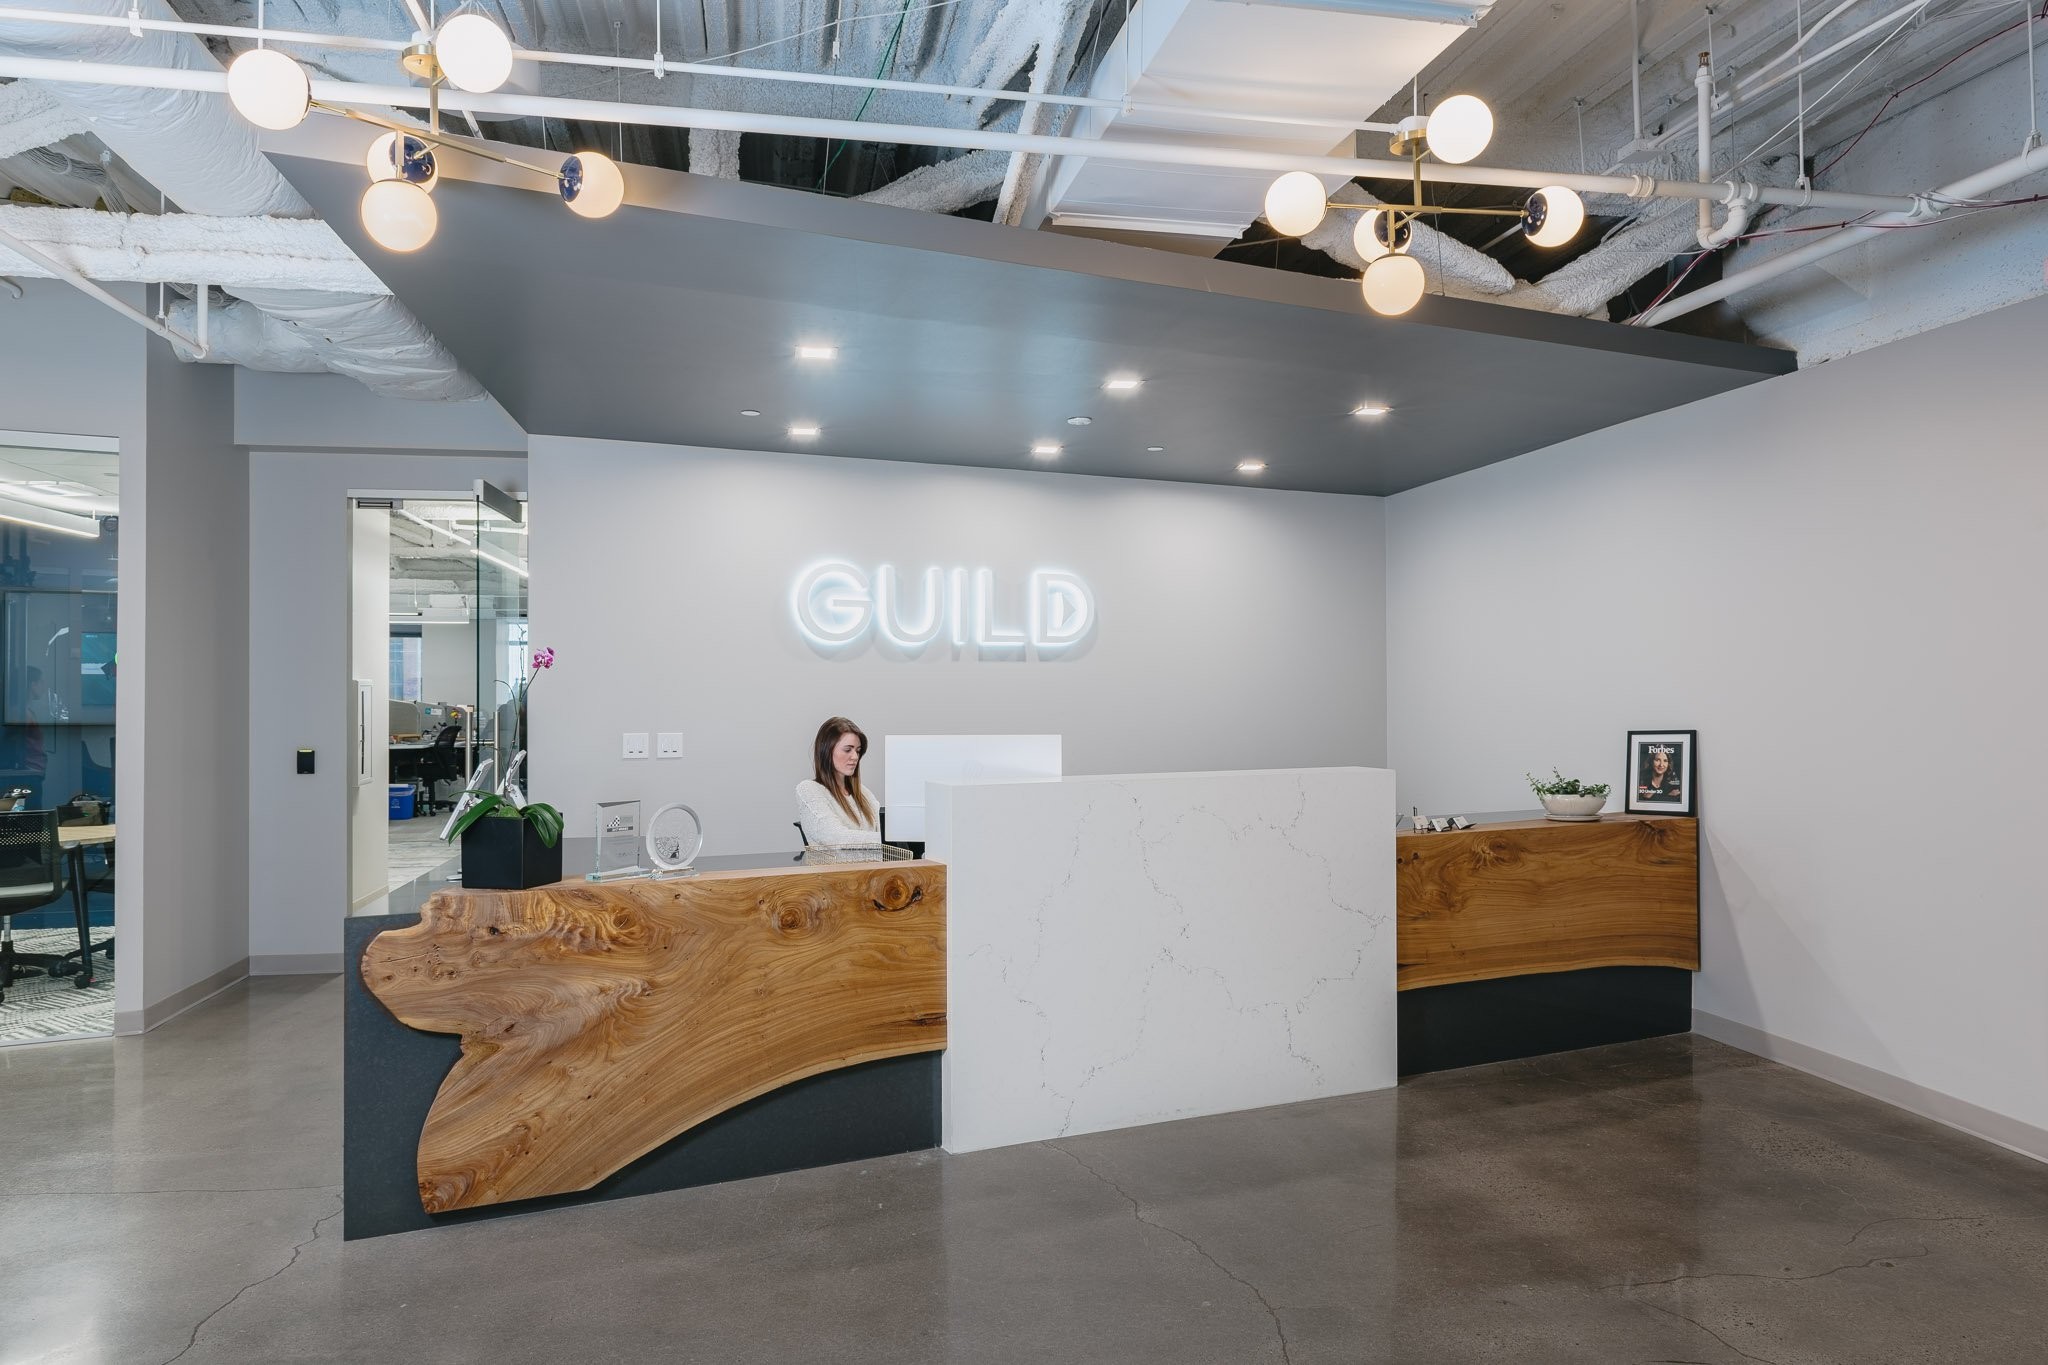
pixel 39 1008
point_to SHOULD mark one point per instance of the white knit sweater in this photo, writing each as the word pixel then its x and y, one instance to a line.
pixel 824 824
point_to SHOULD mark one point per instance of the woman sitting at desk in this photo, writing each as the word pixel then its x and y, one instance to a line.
pixel 833 809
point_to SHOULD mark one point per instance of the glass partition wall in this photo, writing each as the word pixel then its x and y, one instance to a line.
pixel 457 666
pixel 59 670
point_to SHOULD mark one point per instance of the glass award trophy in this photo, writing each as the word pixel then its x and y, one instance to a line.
pixel 674 835
pixel 618 841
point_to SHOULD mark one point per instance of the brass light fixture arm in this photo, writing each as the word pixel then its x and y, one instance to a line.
pixel 436 138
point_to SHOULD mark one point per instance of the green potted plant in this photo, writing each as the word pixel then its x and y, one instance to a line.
pixel 1567 798
pixel 508 842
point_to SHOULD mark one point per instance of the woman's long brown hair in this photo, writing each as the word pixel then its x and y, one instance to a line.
pixel 842 789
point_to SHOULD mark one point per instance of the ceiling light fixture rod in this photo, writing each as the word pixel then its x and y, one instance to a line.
pixel 301 38
pixel 512 104
pixel 436 138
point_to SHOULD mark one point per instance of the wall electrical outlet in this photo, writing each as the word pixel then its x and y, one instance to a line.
pixel 635 744
pixel 668 744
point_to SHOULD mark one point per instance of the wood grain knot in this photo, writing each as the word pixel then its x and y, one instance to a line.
pixel 897 894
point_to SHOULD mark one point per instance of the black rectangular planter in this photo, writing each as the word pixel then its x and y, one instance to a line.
pixel 504 854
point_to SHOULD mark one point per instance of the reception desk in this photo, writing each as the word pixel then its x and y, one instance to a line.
pixel 508 1049
pixel 1078 954
pixel 1126 950
pixel 1522 937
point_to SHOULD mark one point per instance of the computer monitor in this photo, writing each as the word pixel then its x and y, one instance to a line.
pixel 910 761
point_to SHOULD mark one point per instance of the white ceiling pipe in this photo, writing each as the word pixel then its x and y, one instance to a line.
pixel 59 270
pixel 1743 101
pixel 300 38
pixel 205 159
pixel 501 102
pixel 176 248
pixel 1970 187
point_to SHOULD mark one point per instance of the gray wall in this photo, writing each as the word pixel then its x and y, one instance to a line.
pixel 1239 628
pixel 298 678
pixel 194 684
pixel 70 366
pixel 1836 578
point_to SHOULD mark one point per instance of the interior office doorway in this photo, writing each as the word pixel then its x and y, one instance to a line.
pixel 438 660
pixel 60 528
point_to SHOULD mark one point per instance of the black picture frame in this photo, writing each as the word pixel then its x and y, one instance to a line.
pixel 1679 781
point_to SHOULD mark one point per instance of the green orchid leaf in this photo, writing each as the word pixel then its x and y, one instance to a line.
pixel 486 803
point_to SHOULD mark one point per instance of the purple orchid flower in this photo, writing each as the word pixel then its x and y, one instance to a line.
pixel 544 658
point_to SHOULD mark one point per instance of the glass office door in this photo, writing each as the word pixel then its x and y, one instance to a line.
pixel 501 634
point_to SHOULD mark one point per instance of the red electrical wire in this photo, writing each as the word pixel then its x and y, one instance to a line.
pixel 1874 118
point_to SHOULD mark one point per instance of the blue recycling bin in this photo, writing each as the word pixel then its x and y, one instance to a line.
pixel 401 801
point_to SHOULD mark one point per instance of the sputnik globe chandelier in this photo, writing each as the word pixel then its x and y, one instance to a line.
pixel 467 50
pixel 1455 133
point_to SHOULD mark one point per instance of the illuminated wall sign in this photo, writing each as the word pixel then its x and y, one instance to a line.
pixel 838 606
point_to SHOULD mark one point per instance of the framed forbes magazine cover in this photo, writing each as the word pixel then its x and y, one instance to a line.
pixel 1662 768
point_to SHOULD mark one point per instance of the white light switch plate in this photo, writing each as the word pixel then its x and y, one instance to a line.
pixel 636 744
pixel 668 744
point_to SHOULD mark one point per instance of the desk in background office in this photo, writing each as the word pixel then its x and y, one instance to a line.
pixel 75 840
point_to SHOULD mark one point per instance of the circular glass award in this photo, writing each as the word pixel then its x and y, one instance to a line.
pixel 674 835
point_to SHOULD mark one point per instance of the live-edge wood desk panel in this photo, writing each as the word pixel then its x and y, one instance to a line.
pixel 600 1020
pixel 1546 896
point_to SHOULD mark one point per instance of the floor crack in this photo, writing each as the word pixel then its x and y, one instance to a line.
pixel 1138 1212
pixel 1695 1322
pixel 1759 1275
pixel 297 1251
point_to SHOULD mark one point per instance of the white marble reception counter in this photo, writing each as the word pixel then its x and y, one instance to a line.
pixel 1125 950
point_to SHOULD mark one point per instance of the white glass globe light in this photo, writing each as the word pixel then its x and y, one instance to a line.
pixel 1392 285
pixel 474 53
pixel 1554 216
pixel 1378 233
pixel 1459 129
pixel 420 167
pixel 1295 204
pixel 269 89
pixel 592 185
pixel 399 215
pixel 1365 237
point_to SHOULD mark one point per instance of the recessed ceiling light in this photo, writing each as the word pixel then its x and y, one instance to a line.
pixel 1122 383
pixel 817 353
pixel 1155 449
pixel 1371 410
pixel 1046 450
pixel 1079 421
pixel 750 412
pixel 1251 466
pixel 803 430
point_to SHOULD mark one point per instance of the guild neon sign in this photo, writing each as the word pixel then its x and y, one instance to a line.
pixel 838 606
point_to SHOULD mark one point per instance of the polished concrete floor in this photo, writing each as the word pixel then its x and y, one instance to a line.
pixel 174 1198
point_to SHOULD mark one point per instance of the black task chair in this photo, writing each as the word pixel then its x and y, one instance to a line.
pixel 442 763
pixel 32 876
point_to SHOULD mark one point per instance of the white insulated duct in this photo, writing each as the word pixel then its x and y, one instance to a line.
pixel 204 159
pixel 947 186
pixel 178 248
pixel 29 118
pixel 716 152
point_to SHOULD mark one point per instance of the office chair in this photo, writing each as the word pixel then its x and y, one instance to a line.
pixel 443 763
pixel 32 876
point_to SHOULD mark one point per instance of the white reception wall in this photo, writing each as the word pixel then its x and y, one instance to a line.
pixel 1238 628
pixel 1127 950
pixel 1836 577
